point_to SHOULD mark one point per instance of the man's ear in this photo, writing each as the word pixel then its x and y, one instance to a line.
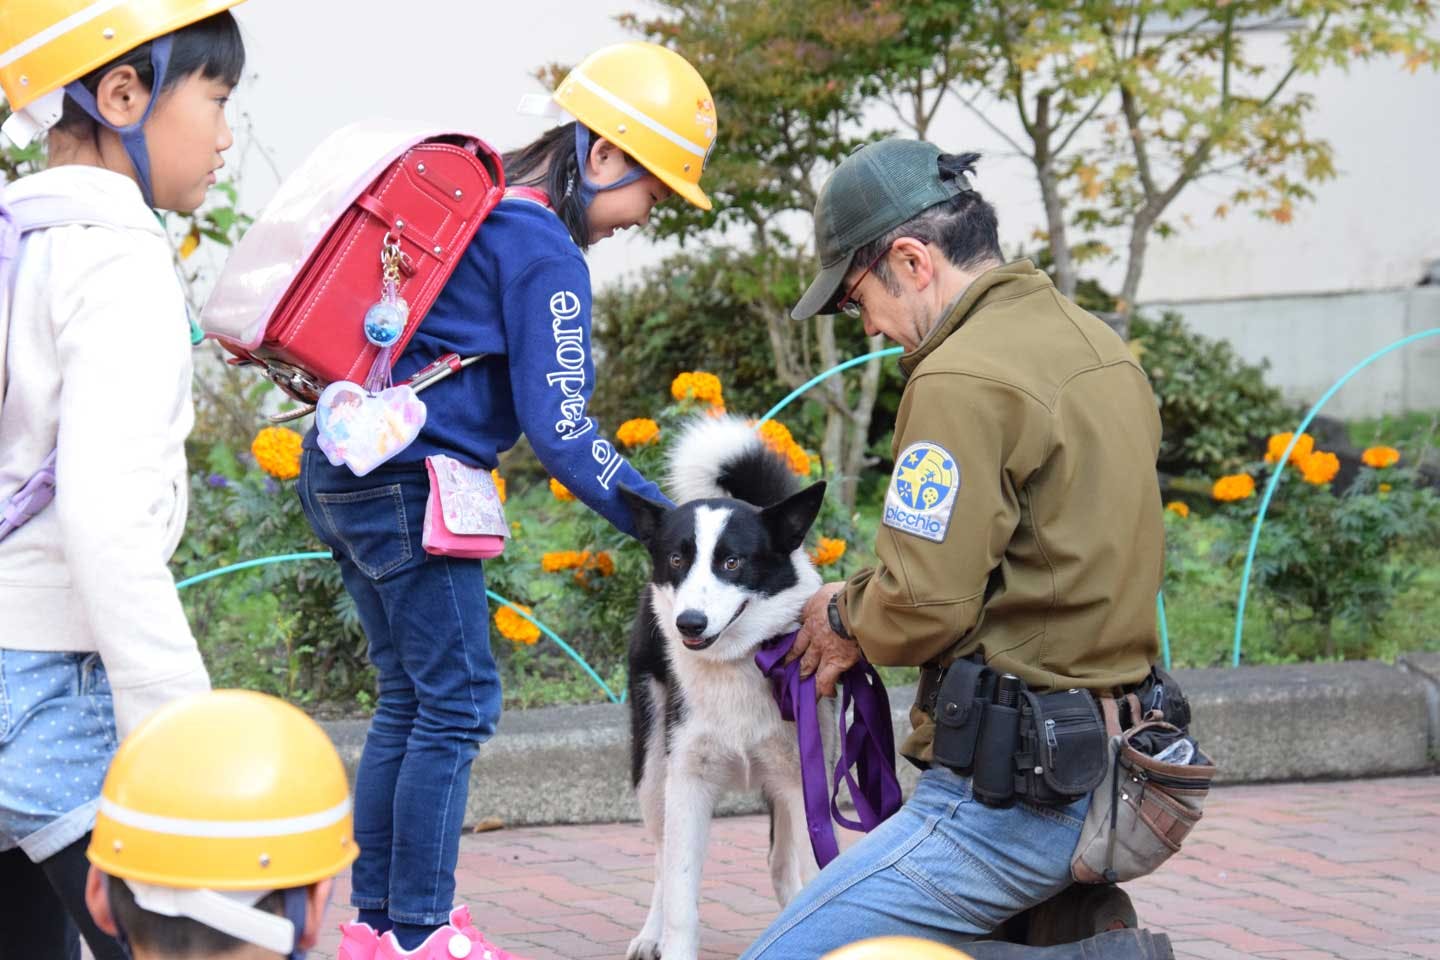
pixel 645 514
pixel 789 520
pixel 914 262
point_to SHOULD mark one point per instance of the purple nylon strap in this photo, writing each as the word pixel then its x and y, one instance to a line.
pixel 30 499
pixel 867 746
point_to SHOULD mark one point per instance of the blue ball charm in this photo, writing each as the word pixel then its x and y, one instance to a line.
pixel 384 322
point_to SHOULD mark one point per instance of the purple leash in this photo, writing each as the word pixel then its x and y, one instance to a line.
pixel 867 746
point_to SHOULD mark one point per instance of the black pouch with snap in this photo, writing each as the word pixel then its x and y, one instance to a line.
pixel 1063 754
pixel 959 711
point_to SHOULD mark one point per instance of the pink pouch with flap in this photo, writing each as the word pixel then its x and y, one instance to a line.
pixel 463 515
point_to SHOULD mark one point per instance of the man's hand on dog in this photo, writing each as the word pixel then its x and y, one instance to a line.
pixel 821 650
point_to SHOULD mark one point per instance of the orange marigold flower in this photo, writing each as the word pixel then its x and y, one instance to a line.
pixel 638 432
pixel 698 385
pixel 602 562
pixel 1303 447
pixel 776 436
pixel 827 551
pixel 1320 467
pixel 1380 457
pixel 514 627
pixel 798 459
pixel 558 560
pixel 1235 486
pixel 1178 507
pixel 277 451
pixel 558 489
pixel 499 484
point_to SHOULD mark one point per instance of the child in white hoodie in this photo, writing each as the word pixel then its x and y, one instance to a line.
pixel 96 369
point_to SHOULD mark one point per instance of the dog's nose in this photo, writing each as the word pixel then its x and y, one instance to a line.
pixel 691 623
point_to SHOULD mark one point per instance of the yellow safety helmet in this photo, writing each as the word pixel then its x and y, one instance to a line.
pixel 896 948
pixel 45 44
pixel 650 102
pixel 227 790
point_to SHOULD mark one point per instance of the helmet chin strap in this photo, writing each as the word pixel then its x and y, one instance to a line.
pixel 133 136
pixel 587 187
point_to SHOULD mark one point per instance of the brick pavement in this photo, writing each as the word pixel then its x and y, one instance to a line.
pixel 1282 872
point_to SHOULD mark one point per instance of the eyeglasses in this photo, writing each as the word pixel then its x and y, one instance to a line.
pixel 847 304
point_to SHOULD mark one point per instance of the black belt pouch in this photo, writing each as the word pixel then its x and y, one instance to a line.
pixel 959 711
pixel 1063 754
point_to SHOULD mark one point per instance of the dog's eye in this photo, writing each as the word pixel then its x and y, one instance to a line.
pixel 732 563
pixel 676 560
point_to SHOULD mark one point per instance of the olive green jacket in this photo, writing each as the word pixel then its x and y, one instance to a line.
pixel 1023 520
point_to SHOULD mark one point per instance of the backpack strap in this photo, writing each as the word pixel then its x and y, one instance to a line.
pixel 18 218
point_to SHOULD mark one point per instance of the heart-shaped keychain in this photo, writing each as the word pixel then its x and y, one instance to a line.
pixel 363 430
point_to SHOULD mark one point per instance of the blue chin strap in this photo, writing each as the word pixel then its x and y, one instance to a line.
pixel 587 187
pixel 296 912
pixel 133 136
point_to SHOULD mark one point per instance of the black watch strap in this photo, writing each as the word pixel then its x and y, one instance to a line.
pixel 832 609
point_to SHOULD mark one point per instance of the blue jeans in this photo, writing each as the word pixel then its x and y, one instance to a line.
pixel 427 624
pixel 945 868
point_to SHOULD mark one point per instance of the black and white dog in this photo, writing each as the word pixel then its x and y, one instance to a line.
pixel 730 572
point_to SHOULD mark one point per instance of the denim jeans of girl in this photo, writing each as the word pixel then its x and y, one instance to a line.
pixel 945 868
pixel 427 624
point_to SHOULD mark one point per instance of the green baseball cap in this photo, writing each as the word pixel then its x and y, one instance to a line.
pixel 874 190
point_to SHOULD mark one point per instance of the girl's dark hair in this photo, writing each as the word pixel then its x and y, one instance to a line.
pixel 548 163
pixel 211 47
pixel 964 227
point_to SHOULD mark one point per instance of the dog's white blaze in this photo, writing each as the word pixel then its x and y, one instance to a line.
pixel 701 589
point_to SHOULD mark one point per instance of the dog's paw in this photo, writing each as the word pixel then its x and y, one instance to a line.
pixel 643 948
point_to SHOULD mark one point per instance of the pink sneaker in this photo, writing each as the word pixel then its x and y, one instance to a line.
pixel 485 950
pixel 457 940
pixel 358 941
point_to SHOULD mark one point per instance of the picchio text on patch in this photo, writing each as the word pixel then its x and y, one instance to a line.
pixel 922 491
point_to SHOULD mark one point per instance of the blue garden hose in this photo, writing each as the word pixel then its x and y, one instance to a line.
pixel 1280 466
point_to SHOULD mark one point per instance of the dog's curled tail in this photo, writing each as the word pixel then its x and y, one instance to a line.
pixel 725 457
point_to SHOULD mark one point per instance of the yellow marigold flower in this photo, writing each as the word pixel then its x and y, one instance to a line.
pixel 1380 457
pixel 1178 507
pixel 499 484
pixel 698 385
pixel 277 450
pixel 827 551
pixel 602 562
pixel 799 460
pixel 1385 488
pixel 1303 447
pixel 1235 486
pixel 638 432
pixel 558 489
pixel 1320 467
pixel 514 627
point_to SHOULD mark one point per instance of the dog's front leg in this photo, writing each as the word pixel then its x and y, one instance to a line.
pixel 689 804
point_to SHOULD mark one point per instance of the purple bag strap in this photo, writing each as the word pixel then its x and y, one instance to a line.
pixel 37 492
pixel 867 745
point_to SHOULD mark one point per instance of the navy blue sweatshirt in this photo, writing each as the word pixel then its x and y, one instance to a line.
pixel 521 295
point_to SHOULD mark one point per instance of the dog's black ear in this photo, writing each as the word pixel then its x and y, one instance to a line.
pixel 645 513
pixel 789 520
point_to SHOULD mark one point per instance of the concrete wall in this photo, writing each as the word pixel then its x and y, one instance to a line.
pixel 1311 341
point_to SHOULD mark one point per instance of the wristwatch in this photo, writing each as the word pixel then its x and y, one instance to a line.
pixel 832 610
